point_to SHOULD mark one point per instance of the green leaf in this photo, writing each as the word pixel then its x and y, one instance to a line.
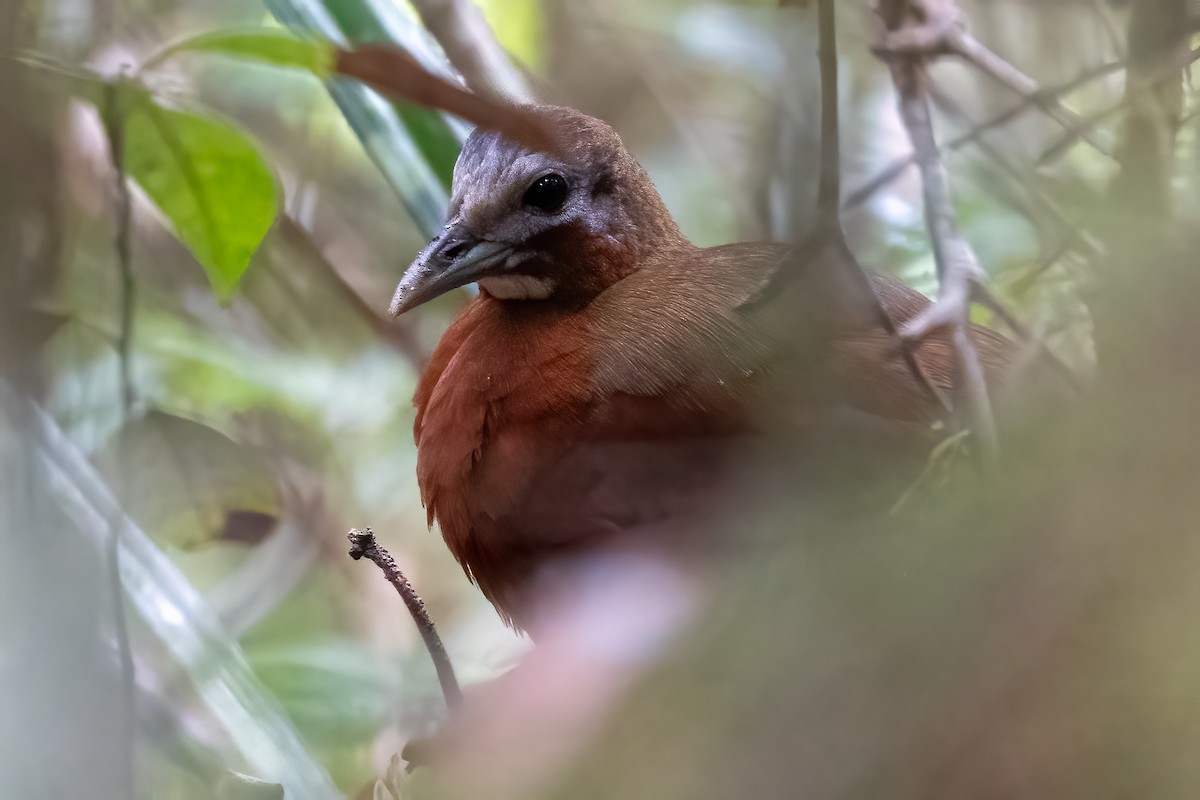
pixel 82 83
pixel 414 148
pixel 433 138
pixel 182 480
pixel 275 47
pixel 337 692
pixel 25 330
pixel 208 178
pixel 368 21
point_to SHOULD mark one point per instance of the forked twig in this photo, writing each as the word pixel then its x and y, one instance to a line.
pixel 829 193
pixel 936 28
pixel 363 544
pixel 958 268
pixel 895 169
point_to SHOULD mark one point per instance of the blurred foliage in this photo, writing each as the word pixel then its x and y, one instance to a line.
pixel 273 209
pixel 202 481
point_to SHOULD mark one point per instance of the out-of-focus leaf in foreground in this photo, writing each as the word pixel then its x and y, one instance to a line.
pixel 339 693
pixel 236 786
pixel 179 618
pixel 32 329
pixel 185 481
pixel 208 178
pixel 392 785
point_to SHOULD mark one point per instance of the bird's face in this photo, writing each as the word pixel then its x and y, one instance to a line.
pixel 529 225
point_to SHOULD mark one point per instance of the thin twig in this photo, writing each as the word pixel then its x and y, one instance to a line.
pixel 830 190
pixel 472 49
pixel 906 346
pixel 895 169
pixel 1003 72
pixel 1163 72
pixel 115 128
pixel 363 544
pixel 983 295
pixel 114 123
pixel 957 266
pixel 936 28
pixel 1002 162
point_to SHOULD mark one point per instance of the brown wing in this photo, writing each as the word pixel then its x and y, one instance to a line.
pixel 644 415
pixel 689 324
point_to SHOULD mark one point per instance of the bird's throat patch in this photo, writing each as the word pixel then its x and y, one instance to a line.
pixel 517 287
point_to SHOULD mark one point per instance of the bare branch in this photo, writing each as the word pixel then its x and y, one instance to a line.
pixel 830 190
pixel 1018 82
pixel 1046 206
pixel 941 31
pixel 894 170
pixel 1070 233
pixel 957 266
pixel 463 33
pixel 363 544
pixel 114 125
pixel 884 320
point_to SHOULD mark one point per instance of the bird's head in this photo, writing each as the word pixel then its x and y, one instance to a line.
pixel 559 222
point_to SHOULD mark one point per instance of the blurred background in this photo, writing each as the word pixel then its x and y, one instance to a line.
pixel 201 392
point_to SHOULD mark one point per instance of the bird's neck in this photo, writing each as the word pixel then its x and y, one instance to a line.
pixel 638 232
pixel 648 225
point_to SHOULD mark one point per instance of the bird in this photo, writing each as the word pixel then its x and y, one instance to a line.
pixel 613 382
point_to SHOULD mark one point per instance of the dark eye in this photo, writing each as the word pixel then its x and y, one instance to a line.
pixel 548 193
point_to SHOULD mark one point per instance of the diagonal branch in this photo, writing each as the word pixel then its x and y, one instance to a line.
pixel 936 28
pixel 1046 207
pixel 402 338
pixel 1137 86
